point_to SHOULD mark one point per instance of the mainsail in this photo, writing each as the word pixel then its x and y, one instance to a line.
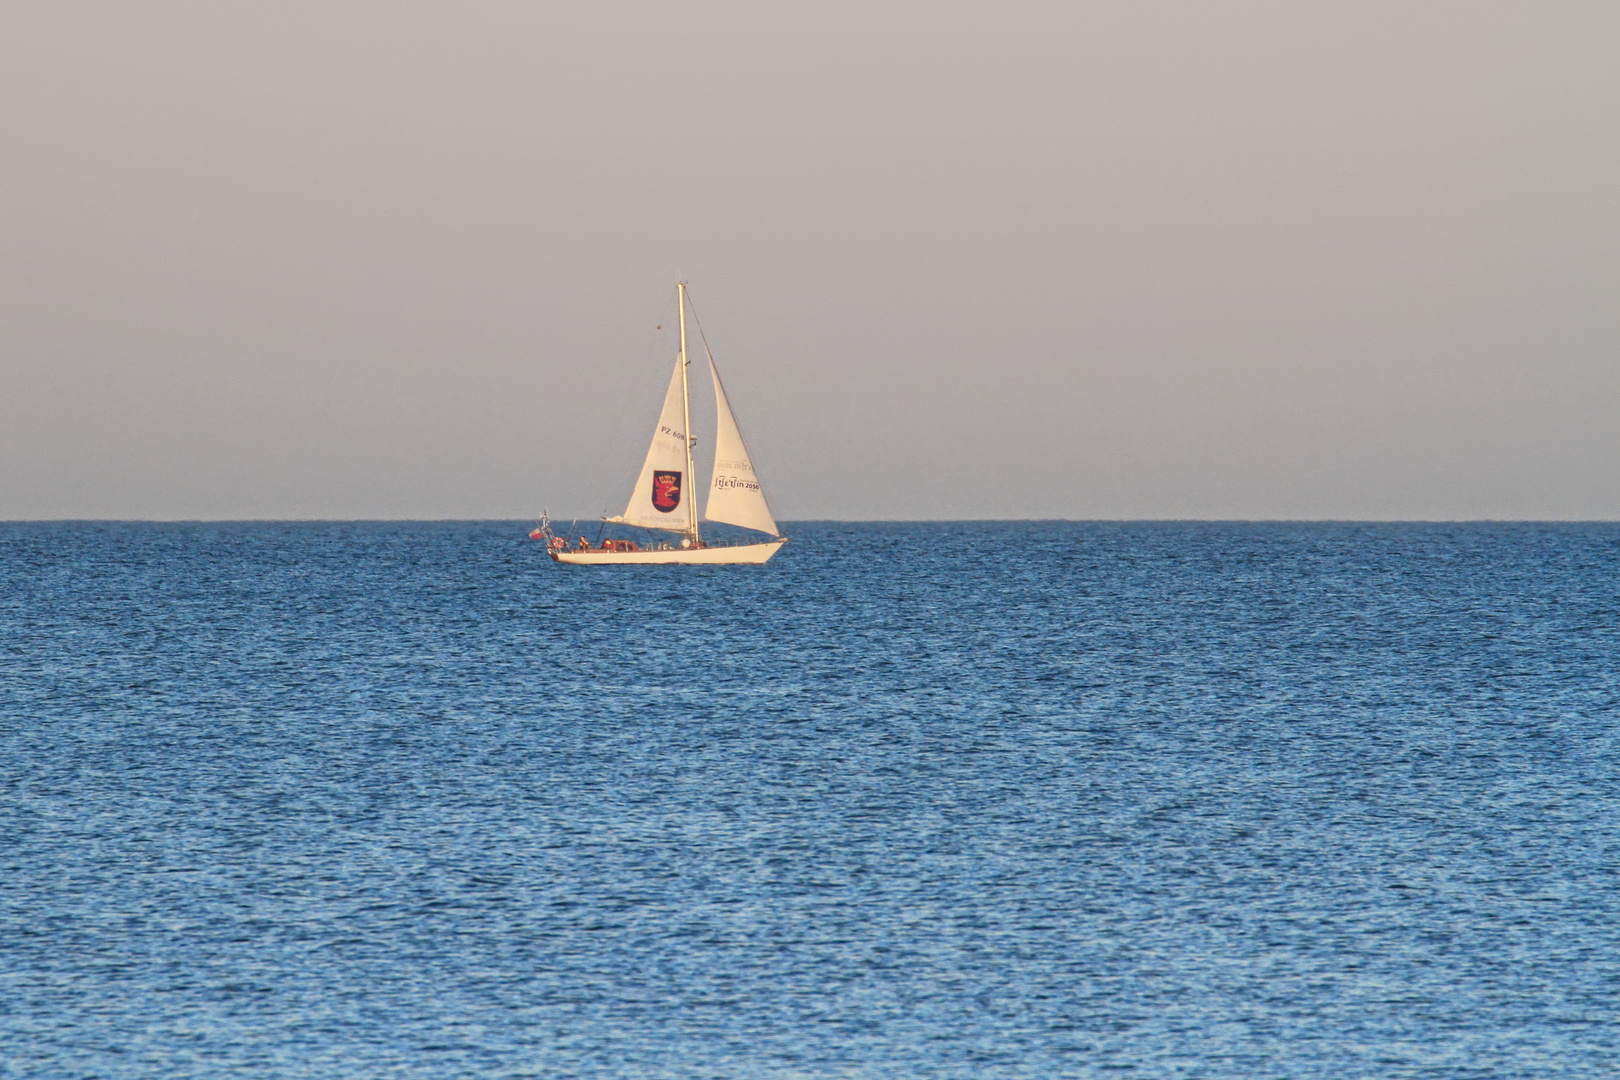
pixel 659 498
pixel 735 495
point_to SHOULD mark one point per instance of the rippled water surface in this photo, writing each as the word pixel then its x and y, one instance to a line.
pixel 973 800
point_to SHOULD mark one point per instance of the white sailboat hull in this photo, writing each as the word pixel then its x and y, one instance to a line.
pixel 704 556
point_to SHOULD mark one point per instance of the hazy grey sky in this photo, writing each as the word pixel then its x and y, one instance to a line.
pixel 1136 259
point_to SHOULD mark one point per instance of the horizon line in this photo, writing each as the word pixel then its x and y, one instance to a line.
pixel 837 521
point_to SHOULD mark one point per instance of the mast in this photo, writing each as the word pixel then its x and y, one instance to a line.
pixel 686 412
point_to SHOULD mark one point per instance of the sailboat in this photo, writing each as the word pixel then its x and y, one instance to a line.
pixel 662 498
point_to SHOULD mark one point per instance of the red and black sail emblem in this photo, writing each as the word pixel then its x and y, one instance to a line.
pixel 666 492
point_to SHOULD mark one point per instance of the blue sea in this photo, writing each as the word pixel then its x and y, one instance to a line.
pixel 1000 800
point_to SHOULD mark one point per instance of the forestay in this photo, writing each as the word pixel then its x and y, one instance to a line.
pixel 659 498
pixel 735 494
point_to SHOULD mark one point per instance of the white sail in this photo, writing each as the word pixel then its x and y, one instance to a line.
pixel 735 494
pixel 659 498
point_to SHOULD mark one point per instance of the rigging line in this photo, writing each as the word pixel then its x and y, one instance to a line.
pixel 714 369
